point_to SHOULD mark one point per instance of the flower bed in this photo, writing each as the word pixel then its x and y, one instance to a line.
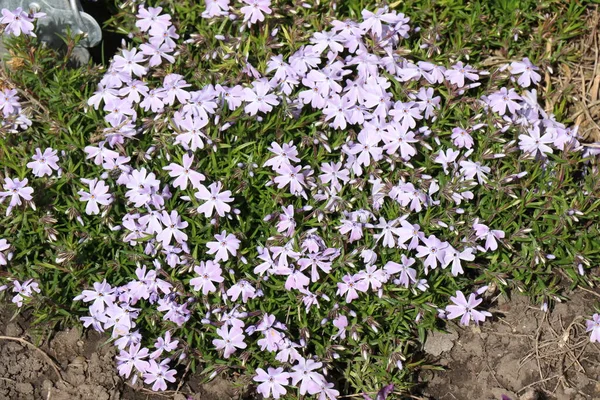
pixel 301 215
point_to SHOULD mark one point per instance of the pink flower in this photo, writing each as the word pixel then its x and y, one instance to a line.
pixel 215 8
pixel 593 325
pixel 224 245
pixel 286 224
pixel 98 194
pixel 253 12
pixel 4 246
pixel 457 74
pixel 292 176
pixel 271 382
pixel 466 309
pixel 490 235
pixel 208 272
pixel 184 173
pixel 173 225
pixel 18 22
pixel 147 18
pixel 258 97
pixel 135 357
pixel 129 62
pixel 304 372
pixel 159 374
pixel 243 288
pixel 461 138
pixel 527 71
pixel 231 339
pixel 534 144
pixel 43 164
pixel 350 286
pixel 15 189
pixel 214 200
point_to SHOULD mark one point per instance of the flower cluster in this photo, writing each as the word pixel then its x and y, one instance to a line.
pixel 341 75
pixel 13 117
pixel 355 219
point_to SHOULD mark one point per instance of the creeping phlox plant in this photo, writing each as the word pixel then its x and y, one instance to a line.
pixel 306 220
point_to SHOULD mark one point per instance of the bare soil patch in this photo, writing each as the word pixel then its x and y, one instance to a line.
pixel 524 353
pixel 75 366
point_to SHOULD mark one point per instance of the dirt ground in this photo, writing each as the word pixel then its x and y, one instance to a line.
pixel 86 367
pixel 525 354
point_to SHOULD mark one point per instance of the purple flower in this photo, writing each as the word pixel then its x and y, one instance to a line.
pixel 215 8
pixel 18 22
pixel 208 272
pixel 224 244
pixel 24 290
pixel 305 374
pixel 271 382
pixel 135 357
pixel 490 235
pixel 164 344
pixel 253 12
pixel 466 309
pixel 286 224
pixel 15 189
pixel 129 62
pixel 461 138
pixel 214 199
pixel 350 286
pixel 408 275
pixel 243 288
pixel 258 98
pixel 184 173
pixel 284 155
pixel 372 21
pixel 159 374
pixel 503 99
pixel 435 251
pixel 103 296
pixel 4 245
pixel 230 340
pixel 150 17
pixel 292 176
pixel 98 194
pixel 593 325
pixel 527 71
pixel 173 225
pixel 9 102
pixel 43 164
pixel 459 72
pixel 534 144
pixel 455 257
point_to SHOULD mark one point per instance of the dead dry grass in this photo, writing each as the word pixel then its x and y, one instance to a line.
pixel 577 85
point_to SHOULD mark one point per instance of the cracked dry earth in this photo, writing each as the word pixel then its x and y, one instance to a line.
pixel 523 353
pixel 87 367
